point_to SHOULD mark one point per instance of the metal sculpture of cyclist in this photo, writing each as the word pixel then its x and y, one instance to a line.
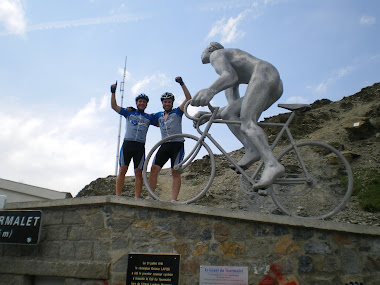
pixel 237 67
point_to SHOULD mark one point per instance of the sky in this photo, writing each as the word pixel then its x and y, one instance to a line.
pixel 59 58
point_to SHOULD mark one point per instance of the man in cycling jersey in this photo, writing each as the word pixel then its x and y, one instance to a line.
pixel 237 67
pixel 170 123
pixel 134 140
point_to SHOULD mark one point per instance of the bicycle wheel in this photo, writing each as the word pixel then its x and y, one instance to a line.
pixel 198 171
pixel 328 186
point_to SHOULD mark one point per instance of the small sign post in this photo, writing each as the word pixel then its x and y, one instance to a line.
pixel 153 269
pixel 20 226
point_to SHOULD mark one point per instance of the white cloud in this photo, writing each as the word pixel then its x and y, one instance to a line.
pixel 141 84
pixel 12 16
pixel 335 76
pixel 236 4
pixel 367 20
pixel 228 29
pixel 128 75
pixel 19 26
pixel 145 85
pixel 69 150
pixel 296 100
pixel 224 5
pixel 84 22
pixel 374 57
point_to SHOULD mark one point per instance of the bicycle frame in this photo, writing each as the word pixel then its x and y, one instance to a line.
pixel 205 133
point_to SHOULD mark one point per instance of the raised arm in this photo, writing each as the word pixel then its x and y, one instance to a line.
pixel 113 99
pixel 185 91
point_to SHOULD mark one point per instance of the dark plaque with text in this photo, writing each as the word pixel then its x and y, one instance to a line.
pixel 153 269
pixel 20 227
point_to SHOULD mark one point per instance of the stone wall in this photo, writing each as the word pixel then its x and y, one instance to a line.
pixel 87 241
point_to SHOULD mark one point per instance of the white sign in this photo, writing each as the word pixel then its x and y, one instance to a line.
pixel 223 275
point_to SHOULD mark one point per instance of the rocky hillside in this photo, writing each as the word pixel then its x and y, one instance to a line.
pixel 351 124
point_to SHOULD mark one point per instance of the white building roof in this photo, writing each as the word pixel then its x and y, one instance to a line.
pixel 19 192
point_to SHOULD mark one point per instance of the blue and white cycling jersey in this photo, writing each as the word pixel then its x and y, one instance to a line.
pixel 137 124
pixel 170 125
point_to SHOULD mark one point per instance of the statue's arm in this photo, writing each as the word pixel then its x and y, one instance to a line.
pixel 232 93
pixel 228 76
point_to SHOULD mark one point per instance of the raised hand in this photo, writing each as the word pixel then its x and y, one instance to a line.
pixel 113 87
pixel 179 80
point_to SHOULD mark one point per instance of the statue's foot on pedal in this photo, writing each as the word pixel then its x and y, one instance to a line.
pixel 270 174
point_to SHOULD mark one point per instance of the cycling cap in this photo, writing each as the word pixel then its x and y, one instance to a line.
pixel 167 95
pixel 142 96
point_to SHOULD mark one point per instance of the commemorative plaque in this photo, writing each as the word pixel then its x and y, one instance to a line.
pixel 223 275
pixel 153 269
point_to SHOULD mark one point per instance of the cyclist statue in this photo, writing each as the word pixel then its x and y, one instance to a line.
pixel 237 67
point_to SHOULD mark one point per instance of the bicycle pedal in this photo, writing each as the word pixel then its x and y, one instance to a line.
pixel 262 192
pixel 232 167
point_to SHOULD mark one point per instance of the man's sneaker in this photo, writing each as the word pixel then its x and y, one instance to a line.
pixel 148 198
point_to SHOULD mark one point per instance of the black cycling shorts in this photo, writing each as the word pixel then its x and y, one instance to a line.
pixel 173 150
pixel 135 150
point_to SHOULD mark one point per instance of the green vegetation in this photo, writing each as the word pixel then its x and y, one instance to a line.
pixel 367 189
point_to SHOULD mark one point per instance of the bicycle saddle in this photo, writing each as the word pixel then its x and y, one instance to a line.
pixel 300 108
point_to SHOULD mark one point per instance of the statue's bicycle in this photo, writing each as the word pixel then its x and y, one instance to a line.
pixel 317 182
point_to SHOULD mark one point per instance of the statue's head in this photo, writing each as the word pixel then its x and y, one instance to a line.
pixel 213 46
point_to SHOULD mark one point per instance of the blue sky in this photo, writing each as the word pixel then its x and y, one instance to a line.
pixel 58 58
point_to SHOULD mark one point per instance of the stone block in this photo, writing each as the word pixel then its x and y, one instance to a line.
pixel 185 229
pixel 221 231
pixel 261 230
pixel 101 252
pixel 189 268
pixel 200 249
pixel 56 232
pixel 327 264
pixel 10 279
pixel 51 249
pixel 312 247
pixel 286 245
pixel 83 250
pixel 279 230
pixel 164 225
pixel 67 250
pixel 72 217
pixel 182 248
pixel 52 218
pixel 231 249
pixel 66 269
pixel 305 264
pixel 95 221
pixel 206 235
pixel 120 224
pixel 240 233
pixel 80 233
pixel 350 261
pixel 119 242
pixel 342 238
pixel 302 234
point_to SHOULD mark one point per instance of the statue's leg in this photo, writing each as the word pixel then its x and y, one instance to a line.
pixel 232 112
pixel 261 93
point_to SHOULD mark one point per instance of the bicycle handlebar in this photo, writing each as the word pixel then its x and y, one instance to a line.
pixel 195 119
